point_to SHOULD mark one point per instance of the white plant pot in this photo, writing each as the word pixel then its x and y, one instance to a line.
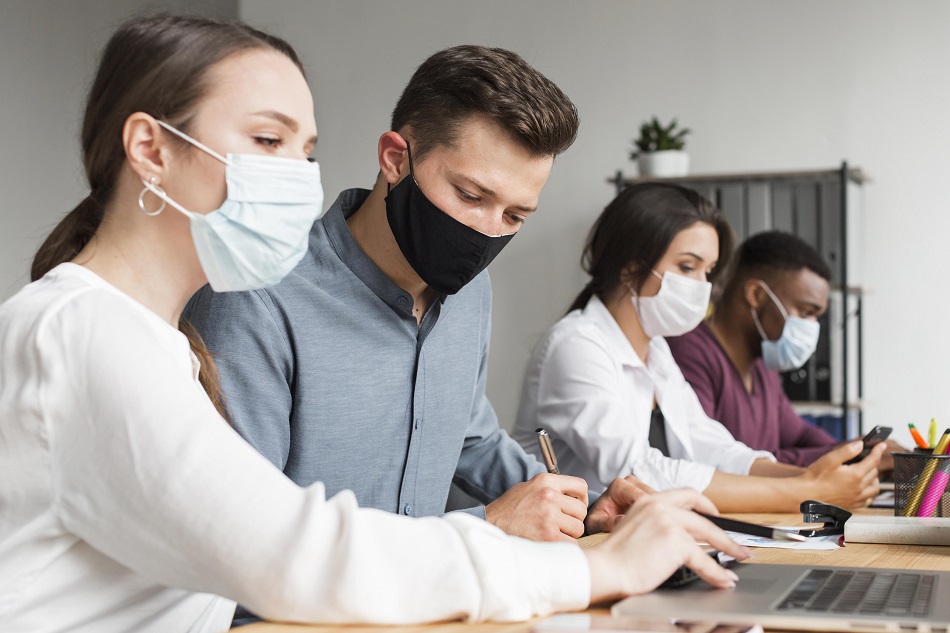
pixel 668 163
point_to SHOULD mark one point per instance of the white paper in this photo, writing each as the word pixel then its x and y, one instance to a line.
pixel 812 543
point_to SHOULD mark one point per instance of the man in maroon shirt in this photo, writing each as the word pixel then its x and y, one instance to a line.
pixel 764 322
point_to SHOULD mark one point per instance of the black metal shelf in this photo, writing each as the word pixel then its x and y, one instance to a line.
pixel 813 204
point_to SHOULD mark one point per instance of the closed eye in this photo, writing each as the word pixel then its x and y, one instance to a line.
pixel 464 195
pixel 268 142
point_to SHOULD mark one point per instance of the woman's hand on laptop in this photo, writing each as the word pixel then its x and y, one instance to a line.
pixel 658 534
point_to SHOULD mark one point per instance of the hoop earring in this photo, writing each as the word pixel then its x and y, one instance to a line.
pixel 151 186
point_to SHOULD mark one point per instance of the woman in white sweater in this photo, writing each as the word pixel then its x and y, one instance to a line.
pixel 128 503
pixel 604 384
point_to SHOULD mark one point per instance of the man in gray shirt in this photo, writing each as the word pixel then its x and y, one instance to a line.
pixel 365 368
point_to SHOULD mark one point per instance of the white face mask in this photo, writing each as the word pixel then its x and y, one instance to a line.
pixel 679 306
pixel 260 232
pixel 796 344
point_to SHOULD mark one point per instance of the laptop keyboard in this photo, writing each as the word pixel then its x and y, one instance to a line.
pixel 863 593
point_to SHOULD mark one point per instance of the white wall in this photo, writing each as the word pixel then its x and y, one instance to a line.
pixel 765 86
pixel 48 55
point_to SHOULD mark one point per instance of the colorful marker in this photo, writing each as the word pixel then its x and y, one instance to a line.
pixel 918 437
pixel 933 431
pixel 913 503
pixel 935 490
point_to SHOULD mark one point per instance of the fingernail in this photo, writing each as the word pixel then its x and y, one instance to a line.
pixel 734 576
pixel 747 552
pixel 730 585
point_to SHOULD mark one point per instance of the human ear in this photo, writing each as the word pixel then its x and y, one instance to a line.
pixel 393 157
pixel 145 149
pixel 628 275
pixel 753 293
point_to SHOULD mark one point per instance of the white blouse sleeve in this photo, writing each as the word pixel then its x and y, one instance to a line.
pixel 146 472
pixel 713 444
pixel 580 397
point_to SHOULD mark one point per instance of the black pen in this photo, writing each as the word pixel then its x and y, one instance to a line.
pixel 547 451
pixel 754 529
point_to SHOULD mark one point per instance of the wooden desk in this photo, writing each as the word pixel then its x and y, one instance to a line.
pixel 857 555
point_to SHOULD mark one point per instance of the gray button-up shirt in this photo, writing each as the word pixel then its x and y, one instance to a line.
pixel 329 375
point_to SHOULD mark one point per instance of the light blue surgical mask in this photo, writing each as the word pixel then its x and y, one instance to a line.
pixel 260 232
pixel 796 344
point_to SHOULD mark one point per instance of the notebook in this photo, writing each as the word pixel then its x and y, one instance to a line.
pixel 798 597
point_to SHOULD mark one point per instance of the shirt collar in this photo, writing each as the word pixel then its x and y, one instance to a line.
pixel 352 255
pixel 659 357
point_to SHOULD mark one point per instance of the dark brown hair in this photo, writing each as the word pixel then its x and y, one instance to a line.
pixel 158 65
pixel 637 227
pixel 459 82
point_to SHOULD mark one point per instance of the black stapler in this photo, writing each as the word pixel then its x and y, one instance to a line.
pixel 833 518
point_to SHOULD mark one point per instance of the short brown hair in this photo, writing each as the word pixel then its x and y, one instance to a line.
pixel 457 83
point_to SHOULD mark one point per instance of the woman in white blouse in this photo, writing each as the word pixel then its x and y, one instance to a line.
pixel 127 503
pixel 603 383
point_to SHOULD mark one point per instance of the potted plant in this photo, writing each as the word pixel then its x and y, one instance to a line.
pixel 659 150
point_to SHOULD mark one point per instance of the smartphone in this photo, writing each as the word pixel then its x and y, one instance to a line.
pixel 874 437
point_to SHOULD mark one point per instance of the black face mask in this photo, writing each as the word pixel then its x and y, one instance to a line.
pixel 445 253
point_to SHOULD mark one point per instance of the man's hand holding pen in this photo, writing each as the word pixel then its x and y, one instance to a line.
pixel 553 507
pixel 612 505
pixel 545 508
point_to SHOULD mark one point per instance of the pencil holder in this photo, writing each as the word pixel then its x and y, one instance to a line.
pixel 920 482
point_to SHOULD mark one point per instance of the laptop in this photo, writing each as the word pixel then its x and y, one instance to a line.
pixel 805 598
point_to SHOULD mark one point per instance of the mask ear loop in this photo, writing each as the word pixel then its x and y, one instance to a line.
pixel 158 191
pixel 194 142
pixel 411 173
pixel 755 316
pixel 636 295
pixel 151 186
pixel 772 296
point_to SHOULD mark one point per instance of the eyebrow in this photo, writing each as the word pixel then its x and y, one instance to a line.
pixel 488 192
pixel 280 117
pixel 693 255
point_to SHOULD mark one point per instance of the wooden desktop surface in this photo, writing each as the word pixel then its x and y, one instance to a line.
pixel 856 555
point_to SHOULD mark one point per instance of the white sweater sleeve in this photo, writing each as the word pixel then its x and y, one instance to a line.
pixel 147 473
pixel 581 398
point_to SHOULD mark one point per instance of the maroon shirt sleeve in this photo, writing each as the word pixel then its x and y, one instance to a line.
pixel 801 443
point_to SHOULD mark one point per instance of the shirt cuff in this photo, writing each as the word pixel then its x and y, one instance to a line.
pixel 702 478
pixel 521 579
pixel 559 576
pixel 477 511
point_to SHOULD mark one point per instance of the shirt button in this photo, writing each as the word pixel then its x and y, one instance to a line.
pixel 407 509
pixel 418 422
pixel 402 300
